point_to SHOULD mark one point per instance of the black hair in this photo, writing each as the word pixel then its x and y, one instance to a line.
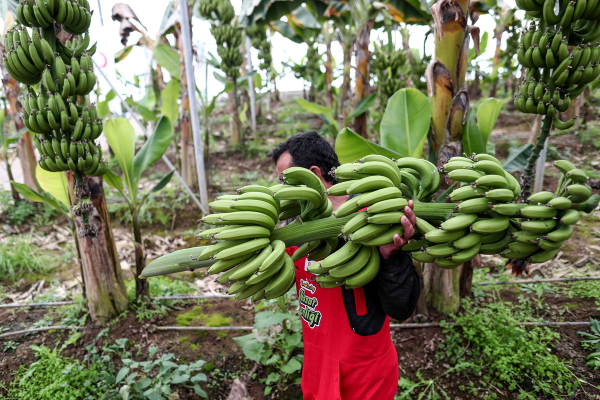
pixel 308 149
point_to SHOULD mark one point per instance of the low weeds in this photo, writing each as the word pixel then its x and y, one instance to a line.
pixel 20 257
pixel 161 286
pixel 275 343
pixel 112 372
pixel 487 343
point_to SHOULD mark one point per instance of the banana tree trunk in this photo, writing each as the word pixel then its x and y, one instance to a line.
pixel 496 62
pixel 449 106
pixel 329 75
pixel 234 120
pixel 347 47
pixel 11 90
pixel 361 85
pixel 105 288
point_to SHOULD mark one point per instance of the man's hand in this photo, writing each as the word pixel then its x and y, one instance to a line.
pixel 408 222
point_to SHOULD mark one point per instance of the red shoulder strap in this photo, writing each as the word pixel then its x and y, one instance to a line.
pixel 359 301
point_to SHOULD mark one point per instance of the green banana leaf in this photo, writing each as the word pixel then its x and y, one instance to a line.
pixel 362 106
pixel 102 108
pixel 488 111
pixel 154 148
pixel 169 59
pixel 406 122
pixel 54 183
pixel 517 158
pixel 350 146
pixel 471 136
pixel 317 109
pixel 169 96
pixel 121 138
pixel 32 195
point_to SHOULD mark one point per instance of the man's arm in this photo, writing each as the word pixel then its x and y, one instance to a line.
pixel 399 286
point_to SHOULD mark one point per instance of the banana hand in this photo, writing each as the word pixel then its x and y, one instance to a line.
pixel 408 221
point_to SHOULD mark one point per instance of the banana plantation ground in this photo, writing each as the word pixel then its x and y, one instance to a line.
pixel 488 356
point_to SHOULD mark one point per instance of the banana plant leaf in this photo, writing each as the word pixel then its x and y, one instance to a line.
pixel 169 96
pixel 121 138
pixel 54 183
pixel 32 195
pixel 169 59
pixel 471 137
pixel 317 109
pixel 488 111
pixel 350 146
pixel 406 122
pixel 517 158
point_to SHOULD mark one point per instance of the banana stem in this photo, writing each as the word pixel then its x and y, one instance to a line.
pixel 535 154
pixel 50 35
pixel 297 232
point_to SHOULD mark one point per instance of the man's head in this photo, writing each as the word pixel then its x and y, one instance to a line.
pixel 307 150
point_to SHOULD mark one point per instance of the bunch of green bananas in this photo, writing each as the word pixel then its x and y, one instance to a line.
pixel 488 222
pixel 555 74
pixel 58 109
pixel 381 187
pixel 74 15
pixel 418 66
pixel 471 230
pixel 227 34
pixel 258 36
pixel 387 66
pixel 257 267
pixel 206 8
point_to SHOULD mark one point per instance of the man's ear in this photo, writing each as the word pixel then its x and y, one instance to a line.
pixel 317 171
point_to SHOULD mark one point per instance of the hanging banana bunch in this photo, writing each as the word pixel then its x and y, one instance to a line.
pixel 446 76
pixel 561 54
pixel 259 40
pixel 58 77
pixel 387 66
pixel 226 34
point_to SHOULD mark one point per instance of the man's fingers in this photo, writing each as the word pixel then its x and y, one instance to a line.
pixel 399 241
pixel 411 204
pixel 409 230
pixel 408 212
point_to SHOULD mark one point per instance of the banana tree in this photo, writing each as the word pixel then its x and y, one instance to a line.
pixel 121 138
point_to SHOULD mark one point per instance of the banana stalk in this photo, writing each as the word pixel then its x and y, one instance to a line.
pixel 535 154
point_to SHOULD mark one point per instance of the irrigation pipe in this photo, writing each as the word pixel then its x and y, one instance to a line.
pixel 45 328
pixel 203 207
pixel 63 303
pixel 585 278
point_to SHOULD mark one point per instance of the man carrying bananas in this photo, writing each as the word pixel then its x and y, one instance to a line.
pixel 348 351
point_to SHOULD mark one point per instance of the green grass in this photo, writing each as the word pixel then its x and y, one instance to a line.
pixel 19 257
pixel 488 343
